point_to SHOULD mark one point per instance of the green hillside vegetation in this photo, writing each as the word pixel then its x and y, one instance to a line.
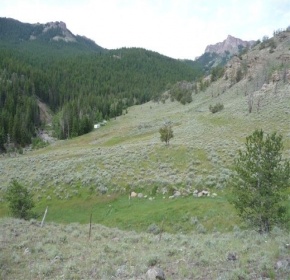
pixel 127 154
pixel 167 226
pixel 81 82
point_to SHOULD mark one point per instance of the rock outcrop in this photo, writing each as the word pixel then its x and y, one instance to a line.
pixel 155 273
pixel 63 33
pixel 231 45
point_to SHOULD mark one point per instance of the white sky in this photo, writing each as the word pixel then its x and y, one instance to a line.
pixel 175 28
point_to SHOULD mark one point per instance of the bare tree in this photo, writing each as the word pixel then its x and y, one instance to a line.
pixel 250 102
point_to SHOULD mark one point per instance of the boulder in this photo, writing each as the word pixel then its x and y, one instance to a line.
pixel 232 256
pixel 195 193
pixel 133 194
pixel 164 190
pixel 26 251
pixel 122 272
pixel 283 264
pixel 205 193
pixel 155 273
pixel 177 194
pixel 200 194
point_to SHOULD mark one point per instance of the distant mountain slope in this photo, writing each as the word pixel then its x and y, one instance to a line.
pixel 81 82
pixel 16 32
pixel 230 44
pixel 263 69
pixel 217 55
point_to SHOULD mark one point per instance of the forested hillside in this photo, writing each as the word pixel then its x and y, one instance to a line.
pixel 81 82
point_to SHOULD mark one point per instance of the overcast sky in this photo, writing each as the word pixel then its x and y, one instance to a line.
pixel 175 28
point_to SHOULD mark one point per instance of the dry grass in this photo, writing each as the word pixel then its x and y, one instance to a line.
pixel 65 252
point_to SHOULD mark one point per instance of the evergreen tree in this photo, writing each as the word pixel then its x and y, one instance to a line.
pixel 2 140
pixel 20 200
pixel 261 175
pixel 166 133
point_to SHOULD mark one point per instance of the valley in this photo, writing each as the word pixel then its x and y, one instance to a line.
pixel 167 226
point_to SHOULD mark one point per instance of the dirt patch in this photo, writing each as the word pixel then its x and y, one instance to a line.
pixel 45 115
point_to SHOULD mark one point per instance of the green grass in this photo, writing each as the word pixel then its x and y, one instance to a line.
pixel 172 215
pixel 115 141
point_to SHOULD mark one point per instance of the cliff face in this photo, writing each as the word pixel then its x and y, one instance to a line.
pixel 231 45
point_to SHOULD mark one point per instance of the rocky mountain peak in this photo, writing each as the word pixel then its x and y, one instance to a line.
pixel 64 34
pixel 12 30
pixel 230 44
pixel 55 24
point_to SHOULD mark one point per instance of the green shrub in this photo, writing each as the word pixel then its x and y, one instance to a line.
pixel 180 94
pixel 216 73
pixel 171 190
pixel 38 143
pixel 154 190
pixel 153 260
pixel 216 108
pixel 19 200
pixel 166 133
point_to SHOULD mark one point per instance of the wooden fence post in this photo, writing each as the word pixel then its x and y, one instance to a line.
pixel 90 231
pixel 42 222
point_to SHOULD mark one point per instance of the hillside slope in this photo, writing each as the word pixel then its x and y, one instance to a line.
pixel 127 152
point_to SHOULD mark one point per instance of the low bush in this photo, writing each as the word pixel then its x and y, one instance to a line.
pixel 38 143
pixel 20 200
pixel 216 108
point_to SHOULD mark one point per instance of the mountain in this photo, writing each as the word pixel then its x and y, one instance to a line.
pixel 231 45
pixel 16 32
pixel 217 55
pixel 81 82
